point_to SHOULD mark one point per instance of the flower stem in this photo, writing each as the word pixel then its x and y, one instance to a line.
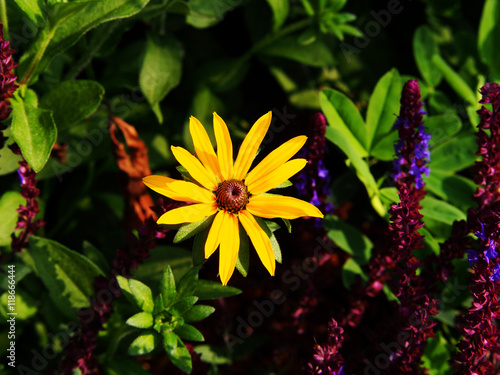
pixel 4 19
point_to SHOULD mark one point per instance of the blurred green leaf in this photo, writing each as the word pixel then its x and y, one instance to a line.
pixel 424 48
pixel 187 283
pixel 9 203
pixel 489 37
pixel 142 295
pixel 440 211
pixel 9 162
pixel 437 355
pixel 141 320
pixel 442 127
pixel 206 13
pixel 161 70
pixel 380 115
pixel 213 354
pixel 32 10
pixel 280 9
pixel 456 189
pixel 343 116
pixel 455 80
pixel 199 247
pixel 454 155
pixel 123 366
pixel 180 357
pixel 167 287
pixel 207 289
pixel 197 313
pixel 350 269
pixel 144 343
pixel 188 332
pixel 25 307
pixel 348 238
pixel 68 275
pixel 33 129
pixel 72 101
pixel 314 54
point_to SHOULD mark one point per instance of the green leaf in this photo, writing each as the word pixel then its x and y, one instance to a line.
pixel 188 332
pixel 213 354
pixel 187 283
pixel 274 242
pixel 442 127
pixel 489 37
pixel 180 357
pixel 440 211
pixel 144 343
pixel 33 129
pixel 68 275
pixel 197 313
pixel 437 355
pixel 25 308
pixel 389 195
pixel 121 365
pixel 316 54
pixel 72 101
pixel 167 287
pixel 9 162
pixel 66 24
pixel 170 340
pixel 199 247
pixel 183 305
pixel 456 189
pixel 288 225
pixel 191 229
pixel 243 260
pixel 456 154
pixel 430 240
pixel 350 269
pixel 9 203
pixel 343 116
pixel 207 289
pixel 455 80
pixel 348 238
pixel 32 10
pixel 160 70
pixel 280 9
pixel 383 105
pixel 141 320
pixel 142 295
pixel 123 283
pixel 424 48
pixel 206 13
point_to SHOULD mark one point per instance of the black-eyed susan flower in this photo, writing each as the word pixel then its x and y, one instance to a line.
pixel 230 193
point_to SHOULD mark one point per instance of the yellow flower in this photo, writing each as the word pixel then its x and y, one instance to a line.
pixel 231 193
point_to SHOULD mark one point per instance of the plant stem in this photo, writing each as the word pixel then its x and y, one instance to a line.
pixel 3 19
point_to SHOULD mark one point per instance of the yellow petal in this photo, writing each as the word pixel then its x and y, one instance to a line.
pixel 224 147
pixel 280 175
pixel 272 206
pixel 214 235
pixel 250 146
pixel 195 168
pixel 259 239
pixel 179 190
pixel 229 247
pixel 275 159
pixel 188 214
pixel 203 147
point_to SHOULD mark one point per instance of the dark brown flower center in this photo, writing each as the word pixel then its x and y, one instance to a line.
pixel 232 195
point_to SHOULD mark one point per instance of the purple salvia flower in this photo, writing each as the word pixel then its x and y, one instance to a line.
pixel 490 253
pixel 327 359
pixel 473 256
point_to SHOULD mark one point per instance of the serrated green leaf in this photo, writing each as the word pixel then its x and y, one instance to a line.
pixel 141 320
pixel 207 289
pixel 167 287
pixel 188 230
pixel 9 203
pixel 424 48
pixel 349 239
pixel 197 313
pixel 144 343
pixel 343 116
pixel 72 101
pixel 183 305
pixel 161 69
pixel 243 260
pixel 142 295
pixel 68 275
pixel 188 332
pixel 33 129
